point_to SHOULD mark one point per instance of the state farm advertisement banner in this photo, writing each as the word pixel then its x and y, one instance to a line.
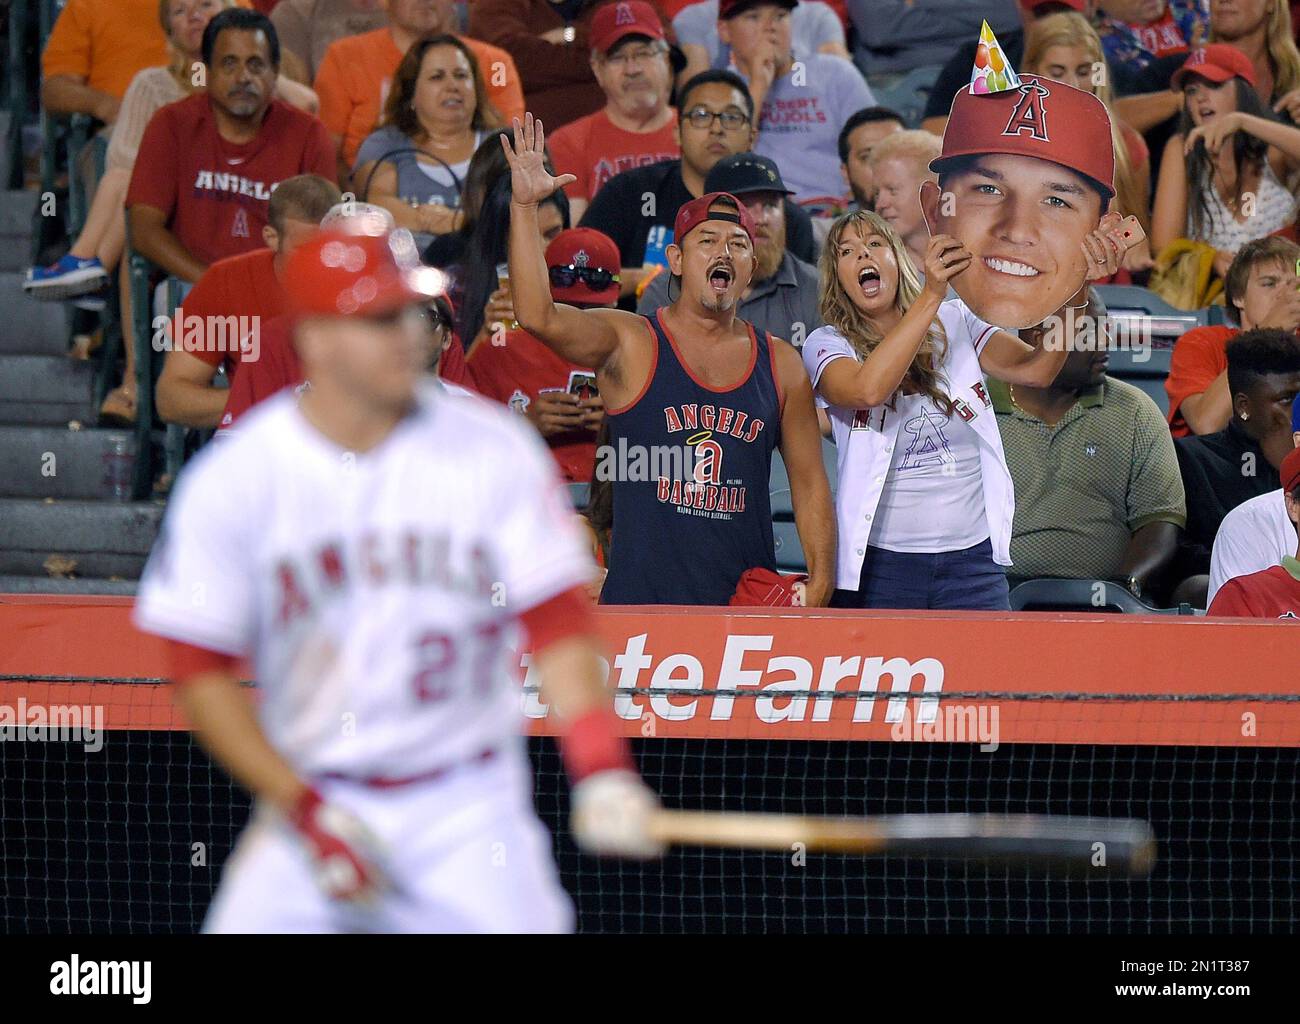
pixel 809 674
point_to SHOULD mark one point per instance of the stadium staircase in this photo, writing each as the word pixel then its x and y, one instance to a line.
pixel 66 526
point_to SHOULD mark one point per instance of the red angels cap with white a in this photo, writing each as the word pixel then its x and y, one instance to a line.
pixel 1039 118
pixel 613 23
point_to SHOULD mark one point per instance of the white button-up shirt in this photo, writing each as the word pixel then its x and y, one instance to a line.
pixel 865 439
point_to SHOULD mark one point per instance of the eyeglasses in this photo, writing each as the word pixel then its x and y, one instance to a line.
pixel 625 58
pixel 702 117
pixel 595 278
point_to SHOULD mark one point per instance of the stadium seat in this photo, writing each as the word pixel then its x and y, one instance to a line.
pixel 779 486
pixel 789 552
pixel 909 94
pixel 1055 595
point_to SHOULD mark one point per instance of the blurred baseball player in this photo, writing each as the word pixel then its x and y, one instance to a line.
pixel 371 546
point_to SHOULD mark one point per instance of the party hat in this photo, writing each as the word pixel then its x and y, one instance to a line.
pixel 992 71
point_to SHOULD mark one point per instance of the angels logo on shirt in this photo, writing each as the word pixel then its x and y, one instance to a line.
pixel 519 402
pixel 239 229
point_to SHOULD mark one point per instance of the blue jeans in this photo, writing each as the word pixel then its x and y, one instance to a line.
pixel 944 580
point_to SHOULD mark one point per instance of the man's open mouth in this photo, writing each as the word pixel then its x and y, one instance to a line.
pixel 1010 267
pixel 720 278
pixel 869 281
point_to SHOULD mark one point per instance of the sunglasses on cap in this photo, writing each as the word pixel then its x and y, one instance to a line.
pixel 595 278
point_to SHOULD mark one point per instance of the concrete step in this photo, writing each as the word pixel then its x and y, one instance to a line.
pixel 47 462
pixel 45 389
pixel 28 326
pixel 73 588
pixel 52 539
pixel 16 211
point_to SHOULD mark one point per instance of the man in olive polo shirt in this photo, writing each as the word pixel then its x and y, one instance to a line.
pixel 1098 492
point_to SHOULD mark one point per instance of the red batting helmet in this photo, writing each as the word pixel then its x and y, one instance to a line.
pixel 1040 118
pixel 346 272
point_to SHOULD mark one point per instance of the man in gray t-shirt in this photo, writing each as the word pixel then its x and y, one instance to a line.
pixel 804 101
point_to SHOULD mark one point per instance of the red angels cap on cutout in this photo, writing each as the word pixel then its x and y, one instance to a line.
pixel 1217 62
pixel 584 249
pixel 341 272
pixel 696 212
pixel 1040 118
pixel 613 23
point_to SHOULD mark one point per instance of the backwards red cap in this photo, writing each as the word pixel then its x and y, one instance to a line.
pixel 353 271
pixel 613 23
pixel 696 212
pixel 1290 471
pixel 1041 118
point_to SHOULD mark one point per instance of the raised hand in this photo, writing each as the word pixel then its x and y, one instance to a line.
pixel 1214 134
pixel 530 181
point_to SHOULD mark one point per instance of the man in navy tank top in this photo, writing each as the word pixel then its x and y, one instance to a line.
pixel 696 402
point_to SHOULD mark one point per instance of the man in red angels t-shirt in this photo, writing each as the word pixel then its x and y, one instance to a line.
pixel 557 396
pixel 208 163
pixel 209 329
pixel 1271 593
pixel 636 126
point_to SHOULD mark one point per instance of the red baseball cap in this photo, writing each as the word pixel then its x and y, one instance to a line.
pixel 728 8
pixel 584 249
pixel 613 23
pixel 1033 5
pixel 1217 62
pixel 1289 471
pixel 349 271
pixel 1040 118
pixel 696 212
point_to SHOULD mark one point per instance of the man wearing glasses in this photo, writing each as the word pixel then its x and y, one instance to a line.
pixel 630 59
pixel 559 397
pixel 637 208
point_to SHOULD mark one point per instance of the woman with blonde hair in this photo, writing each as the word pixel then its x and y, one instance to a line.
pixel 1066 48
pixel 925 499
pixel 436 115
pixel 85 269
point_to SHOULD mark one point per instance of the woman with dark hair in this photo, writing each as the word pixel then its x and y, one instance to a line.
pixel 486 167
pixel 435 118
pixel 480 285
pixel 1222 174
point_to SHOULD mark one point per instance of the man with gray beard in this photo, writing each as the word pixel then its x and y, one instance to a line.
pixel 782 297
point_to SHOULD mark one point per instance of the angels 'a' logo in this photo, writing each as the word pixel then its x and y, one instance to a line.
pixel 519 401
pixel 580 258
pixel 623 15
pixel 1030 114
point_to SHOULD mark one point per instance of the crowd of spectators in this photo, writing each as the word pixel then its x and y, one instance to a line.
pixel 233 127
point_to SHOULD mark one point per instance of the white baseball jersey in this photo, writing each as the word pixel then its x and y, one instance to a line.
pixel 865 440
pixel 376 593
pixel 1255 535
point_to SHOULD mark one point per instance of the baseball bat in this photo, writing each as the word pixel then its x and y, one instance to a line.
pixel 1120 845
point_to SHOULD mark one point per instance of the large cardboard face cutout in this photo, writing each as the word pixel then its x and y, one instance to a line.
pixel 1025 175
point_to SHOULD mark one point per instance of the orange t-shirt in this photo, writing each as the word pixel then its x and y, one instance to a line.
pixel 241 286
pixel 105 43
pixel 356 72
pixel 595 149
pixel 1199 356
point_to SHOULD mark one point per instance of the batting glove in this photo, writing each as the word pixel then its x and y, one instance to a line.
pixel 612 812
pixel 345 853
